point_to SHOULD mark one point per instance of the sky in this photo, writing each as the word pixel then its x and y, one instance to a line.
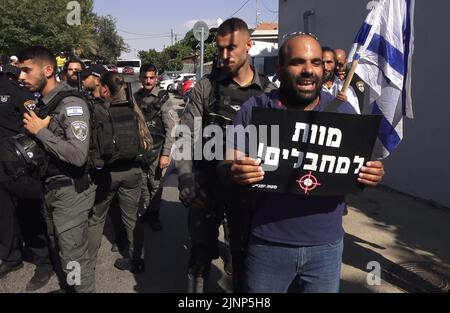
pixel 147 24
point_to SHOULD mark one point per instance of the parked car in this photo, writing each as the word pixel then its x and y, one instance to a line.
pixel 111 68
pixel 166 84
pixel 128 70
pixel 176 86
pixel 168 75
pixel 188 84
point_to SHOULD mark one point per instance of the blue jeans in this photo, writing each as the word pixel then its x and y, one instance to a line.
pixel 272 267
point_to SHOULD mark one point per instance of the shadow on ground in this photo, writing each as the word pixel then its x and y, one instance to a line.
pixel 419 245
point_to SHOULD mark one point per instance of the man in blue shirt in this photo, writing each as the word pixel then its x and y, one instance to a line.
pixel 294 237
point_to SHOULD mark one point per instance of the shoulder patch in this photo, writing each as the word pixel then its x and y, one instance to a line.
pixel 80 130
pixel 4 98
pixel 74 111
pixel 30 105
pixel 360 86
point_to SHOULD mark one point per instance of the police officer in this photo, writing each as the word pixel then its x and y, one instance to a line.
pixel 20 217
pixel 63 131
pixel 121 175
pixel 216 98
pixel 90 77
pixel 160 119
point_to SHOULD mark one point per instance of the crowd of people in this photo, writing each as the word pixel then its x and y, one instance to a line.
pixel 101 141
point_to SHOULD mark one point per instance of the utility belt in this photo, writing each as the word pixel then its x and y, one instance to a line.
pixel 80 184
pixel 119 166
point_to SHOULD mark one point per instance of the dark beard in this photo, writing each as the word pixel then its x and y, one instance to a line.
pixel 288 89
pixel 41 84
pixel 328 77
pixel 71 82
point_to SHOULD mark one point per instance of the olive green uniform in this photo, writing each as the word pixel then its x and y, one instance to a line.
pixel 66 208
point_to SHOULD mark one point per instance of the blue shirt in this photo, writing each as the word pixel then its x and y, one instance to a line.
pixel 294 219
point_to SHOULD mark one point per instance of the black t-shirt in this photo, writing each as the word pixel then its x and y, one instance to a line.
pixel 13 102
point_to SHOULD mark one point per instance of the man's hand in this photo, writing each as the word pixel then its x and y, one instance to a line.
pixel 163 162
pixel 33 123
pixel 371 174
pixel 246 172
pixel 341 96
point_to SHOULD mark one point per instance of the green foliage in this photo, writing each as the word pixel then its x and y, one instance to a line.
pixel 170 59
pixel 24 23
pixel 150 56
pixel 109 43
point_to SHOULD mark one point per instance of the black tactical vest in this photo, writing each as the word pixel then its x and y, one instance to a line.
pixel 226 101
pixel 101 146
pixel 126 140
pixel 151 107
pixel 56 166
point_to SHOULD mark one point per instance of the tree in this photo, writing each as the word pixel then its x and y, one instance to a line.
pixel 170 58
pixel 109 44
pixel 151 56
pixel 49 23
pixel 45 22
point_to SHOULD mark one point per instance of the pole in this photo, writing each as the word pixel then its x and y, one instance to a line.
pixel 350 76
pixel 202 47
pixel 171 36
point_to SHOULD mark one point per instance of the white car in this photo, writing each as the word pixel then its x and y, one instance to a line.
pixel 166 84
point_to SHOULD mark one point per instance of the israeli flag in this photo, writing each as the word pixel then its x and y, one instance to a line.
pixel 384 46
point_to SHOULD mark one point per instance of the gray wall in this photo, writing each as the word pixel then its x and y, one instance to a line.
pixel 421 164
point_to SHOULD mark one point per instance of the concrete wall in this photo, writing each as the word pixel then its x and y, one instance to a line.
pixel 421 164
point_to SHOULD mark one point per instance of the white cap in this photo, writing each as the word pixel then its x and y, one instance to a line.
pixel 14 58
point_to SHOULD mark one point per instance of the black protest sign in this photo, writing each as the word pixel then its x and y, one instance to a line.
pixel 317 153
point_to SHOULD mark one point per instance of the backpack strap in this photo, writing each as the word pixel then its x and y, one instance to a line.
pixel 163 96
pixel 52 104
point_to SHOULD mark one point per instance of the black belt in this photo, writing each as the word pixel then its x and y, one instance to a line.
pixel 118 166
pixel 58 183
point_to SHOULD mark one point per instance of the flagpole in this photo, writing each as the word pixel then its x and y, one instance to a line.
pixel 350 75
pixel 357 54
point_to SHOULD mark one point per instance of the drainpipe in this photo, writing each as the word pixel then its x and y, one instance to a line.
pixel 306 17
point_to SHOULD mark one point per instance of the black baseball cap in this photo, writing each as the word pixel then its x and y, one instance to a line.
pixel 9 69
pixel 95 69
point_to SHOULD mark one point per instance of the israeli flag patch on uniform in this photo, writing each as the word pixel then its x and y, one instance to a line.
pixel 74 111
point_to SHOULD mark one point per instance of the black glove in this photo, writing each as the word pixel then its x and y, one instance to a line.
pixel 189 189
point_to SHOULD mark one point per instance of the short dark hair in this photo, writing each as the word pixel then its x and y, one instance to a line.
pixel 114 81
pixel 38 53
pixel 331 50
pixel 147 67
pixel 231 25
pixel 74 60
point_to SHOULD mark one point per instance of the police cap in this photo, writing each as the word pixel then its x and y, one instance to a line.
pixel 96 70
